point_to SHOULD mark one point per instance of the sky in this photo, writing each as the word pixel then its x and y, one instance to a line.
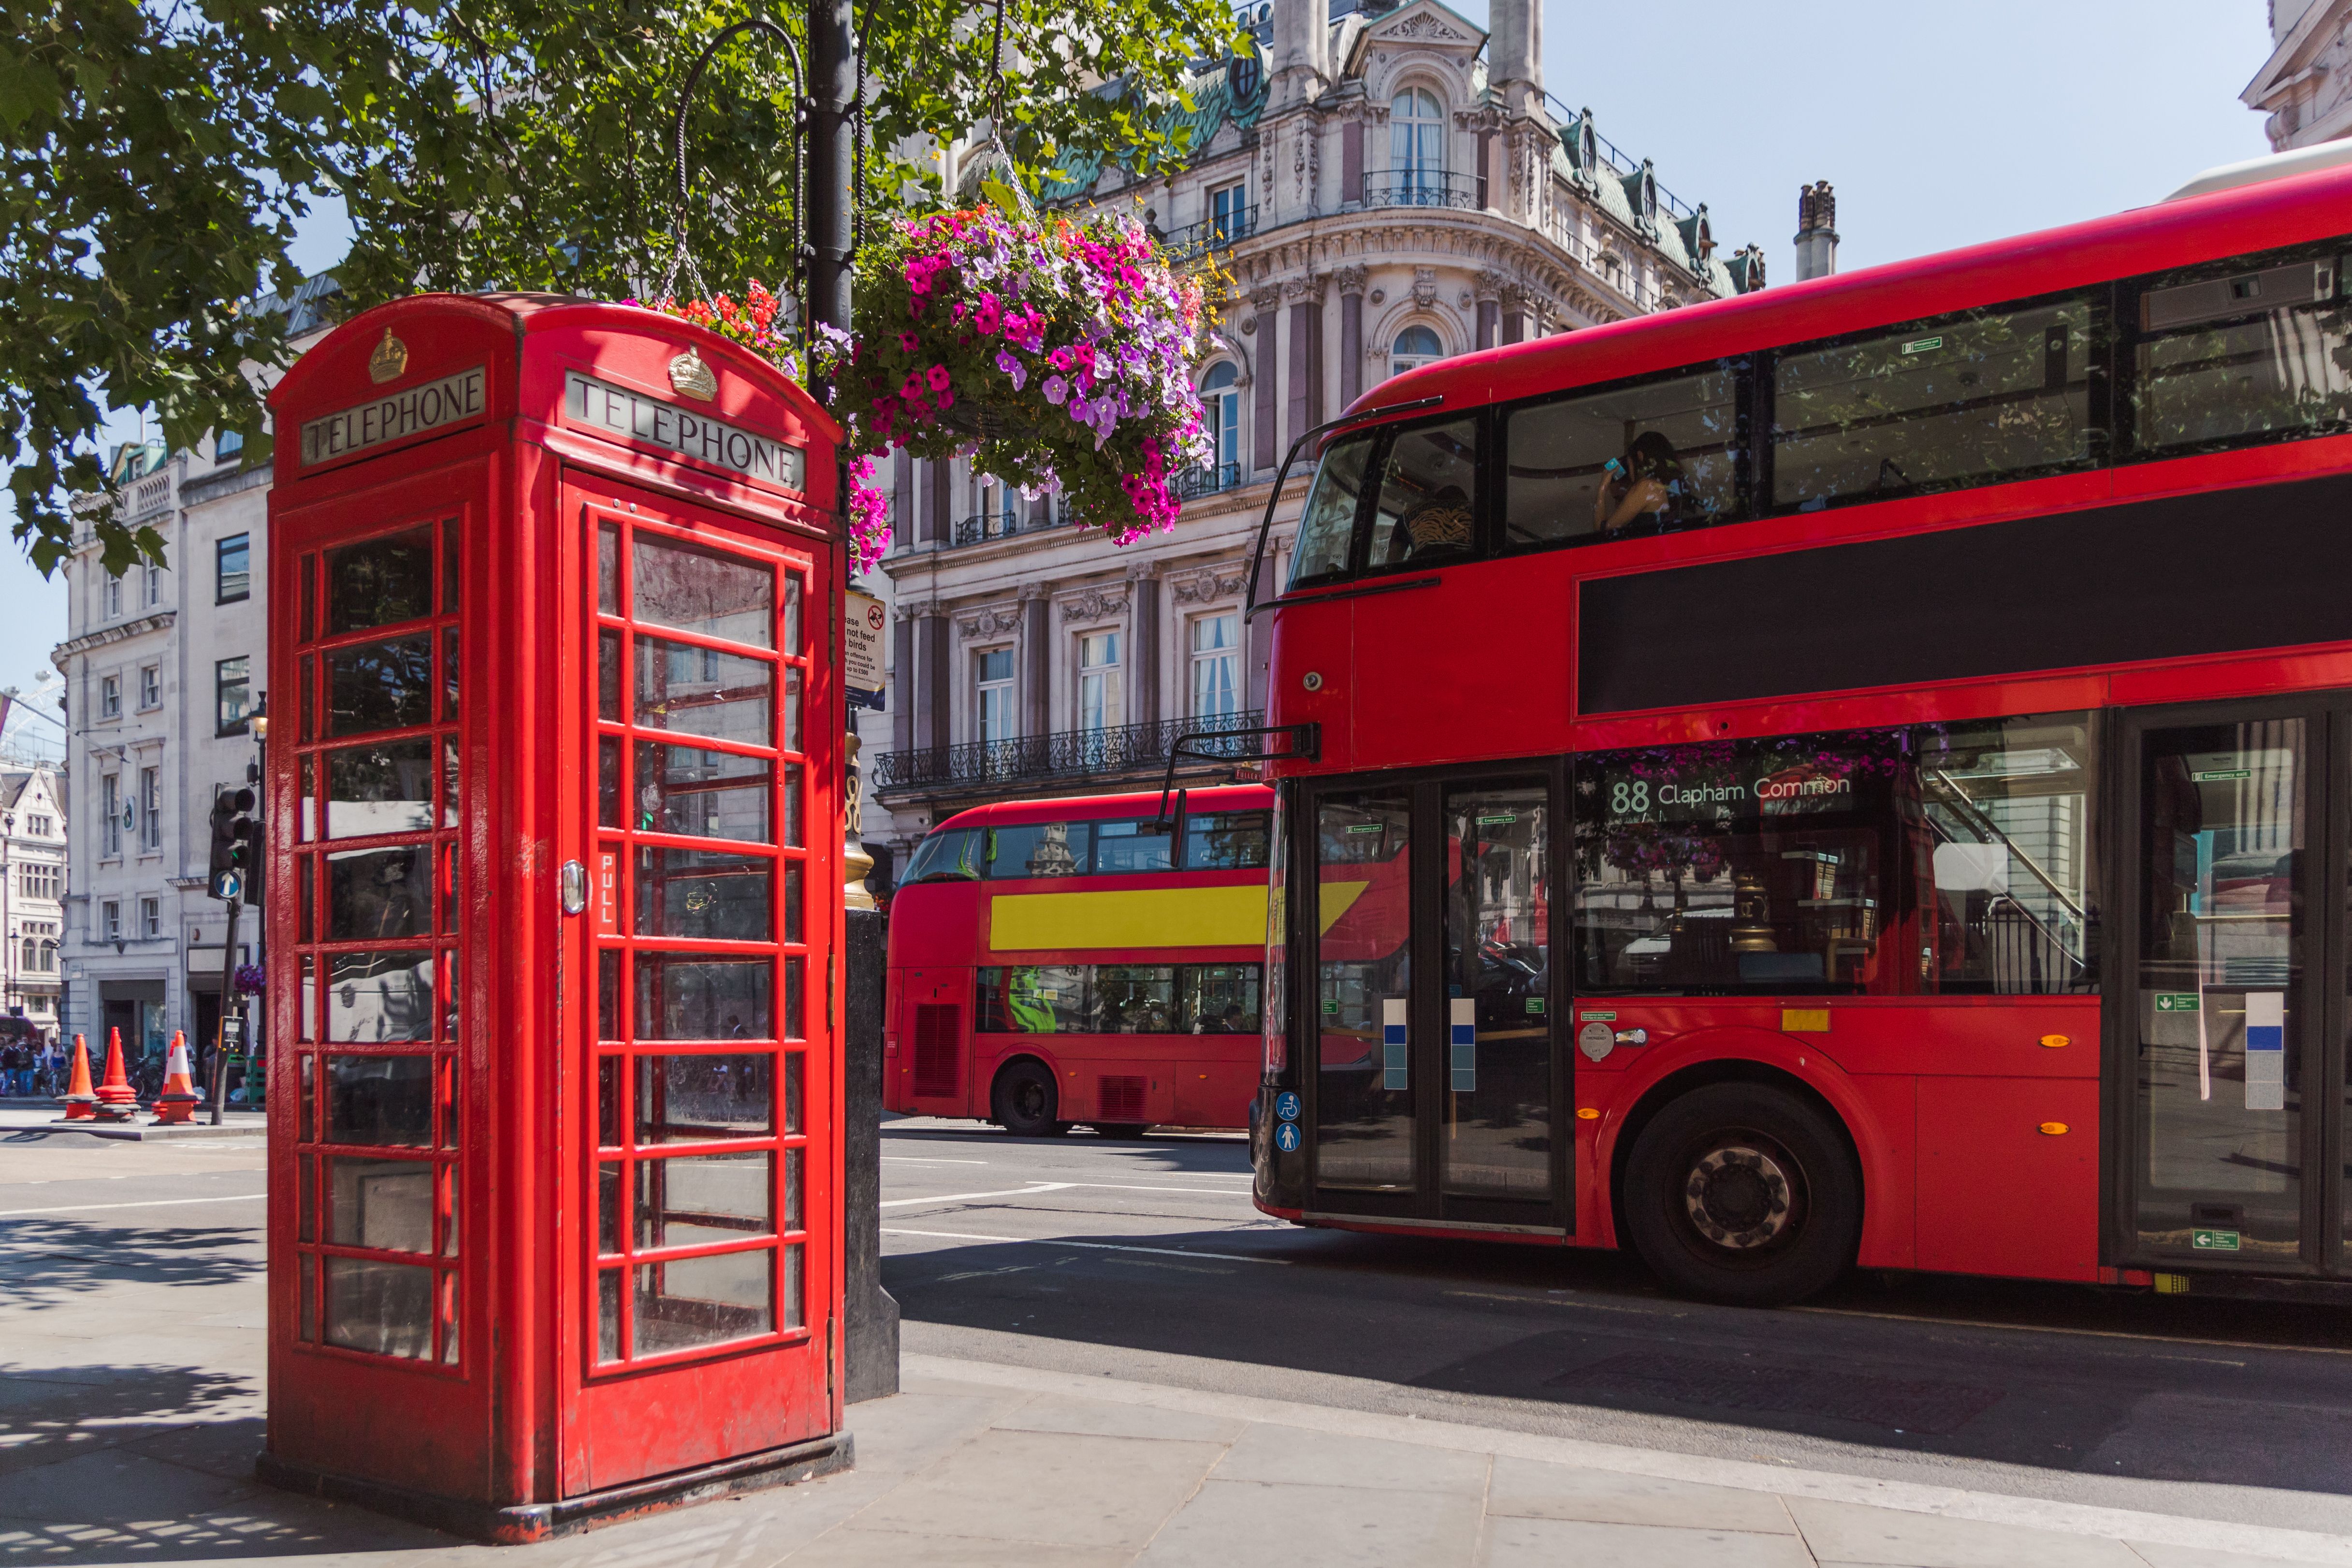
pixel 1939 125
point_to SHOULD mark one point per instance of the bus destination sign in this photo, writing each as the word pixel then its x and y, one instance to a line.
pixel 1632 792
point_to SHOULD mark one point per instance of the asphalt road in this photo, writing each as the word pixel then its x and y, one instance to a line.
pixel 1146 1260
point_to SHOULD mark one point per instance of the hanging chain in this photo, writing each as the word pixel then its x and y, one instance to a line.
pixel 997 147
pixel 682 254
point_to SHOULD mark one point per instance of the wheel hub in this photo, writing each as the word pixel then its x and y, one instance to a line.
pixel 1737 1198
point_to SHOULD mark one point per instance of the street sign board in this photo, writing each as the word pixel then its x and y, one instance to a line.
pixel 863 622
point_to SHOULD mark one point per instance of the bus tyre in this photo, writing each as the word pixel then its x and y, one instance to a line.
pixel 1743 1194
pixel 1025 1100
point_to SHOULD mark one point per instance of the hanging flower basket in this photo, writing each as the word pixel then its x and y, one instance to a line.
pixel 1056 356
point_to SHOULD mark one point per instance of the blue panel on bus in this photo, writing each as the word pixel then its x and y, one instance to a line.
pixel 1392 1069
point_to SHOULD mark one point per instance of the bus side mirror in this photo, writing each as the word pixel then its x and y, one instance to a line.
pixel 1164 823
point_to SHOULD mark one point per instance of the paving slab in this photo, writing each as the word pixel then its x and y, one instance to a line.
pixel 1047 1487
pixel 1305 1526
pixel 851 1548
pixel 1561 1543
pixel 1851 1533
pixel 1526 1488
pixel 1100 1418
pixel 1295 1456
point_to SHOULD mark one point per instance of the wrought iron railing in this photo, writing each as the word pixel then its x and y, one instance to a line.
pixel 1063 754
pixel 1207 479
pixel 987 525
pixel 1420 188
pixel 1209 234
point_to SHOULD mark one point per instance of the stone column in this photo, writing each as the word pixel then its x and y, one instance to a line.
pixel 1349 281
pixel 1143 582
pixel 1265 398
pixel 1037 661
pixel 934 691
pixel 939 520
pixel 902 681
pixel 1305 355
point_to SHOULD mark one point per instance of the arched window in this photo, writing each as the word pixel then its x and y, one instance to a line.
pixel 1417 146
pixel 1414 347
pixel 1221 403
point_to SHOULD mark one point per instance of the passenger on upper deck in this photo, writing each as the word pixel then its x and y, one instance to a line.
pixel 1644 489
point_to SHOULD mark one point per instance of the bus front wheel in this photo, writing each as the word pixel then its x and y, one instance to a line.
pixel 1743 1194
pixel 1025 1101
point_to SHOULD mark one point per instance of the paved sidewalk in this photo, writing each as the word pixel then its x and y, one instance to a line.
pixel 979 1464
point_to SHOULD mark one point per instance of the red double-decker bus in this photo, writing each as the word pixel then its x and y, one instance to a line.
pixel 1087 961
pixel 1872 765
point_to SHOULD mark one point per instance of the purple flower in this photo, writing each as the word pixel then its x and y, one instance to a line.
pixel 1013 368
pixel 1054 388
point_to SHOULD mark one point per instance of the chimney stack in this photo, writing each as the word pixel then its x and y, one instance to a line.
pixel 1515 54
pixel 1817 239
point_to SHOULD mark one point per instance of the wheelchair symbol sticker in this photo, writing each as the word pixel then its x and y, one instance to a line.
pixel 1285 1106
pixel 1285 1137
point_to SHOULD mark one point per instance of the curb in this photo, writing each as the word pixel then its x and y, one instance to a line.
pixel 142 1132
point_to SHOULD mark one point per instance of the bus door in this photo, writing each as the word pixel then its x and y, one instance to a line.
pixel 2225 1015
pixel 1438 1082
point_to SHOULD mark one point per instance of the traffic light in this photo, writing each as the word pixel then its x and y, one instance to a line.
pixel 236 846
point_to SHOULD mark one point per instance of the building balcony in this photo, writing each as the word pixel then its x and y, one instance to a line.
pixel 1207 479
pixel 1209 234
pixel 1418 188
pixel 1064 754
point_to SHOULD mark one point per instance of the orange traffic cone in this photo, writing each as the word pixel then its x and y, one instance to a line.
pixel 117 1100
pixel 179 1099
pixel 79 1102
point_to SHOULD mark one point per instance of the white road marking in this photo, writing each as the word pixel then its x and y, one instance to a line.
pixel 1090 1246
pixel 151 1204
pixel 967 1197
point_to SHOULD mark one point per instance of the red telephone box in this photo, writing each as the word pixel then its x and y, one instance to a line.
pixel 553 917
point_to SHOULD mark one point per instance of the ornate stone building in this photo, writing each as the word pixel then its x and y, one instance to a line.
pixel 1392 185
pixel 2305 87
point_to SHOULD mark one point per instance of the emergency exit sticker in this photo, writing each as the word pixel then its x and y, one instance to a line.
pixel 2176 1001
pixel 2213 1240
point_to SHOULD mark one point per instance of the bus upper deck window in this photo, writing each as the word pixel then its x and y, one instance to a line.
pixel 1041 850
pixel 1648 457
pixel 1973 399
pixel 1427 483
pixel 2254 349
pixel 1226 840
pixel 950 855
pixel 1328 528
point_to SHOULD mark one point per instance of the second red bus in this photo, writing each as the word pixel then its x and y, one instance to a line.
pixel 1083 962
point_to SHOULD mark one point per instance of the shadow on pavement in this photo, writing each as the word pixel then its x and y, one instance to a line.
pixel 47 1262
pixel 146 1464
